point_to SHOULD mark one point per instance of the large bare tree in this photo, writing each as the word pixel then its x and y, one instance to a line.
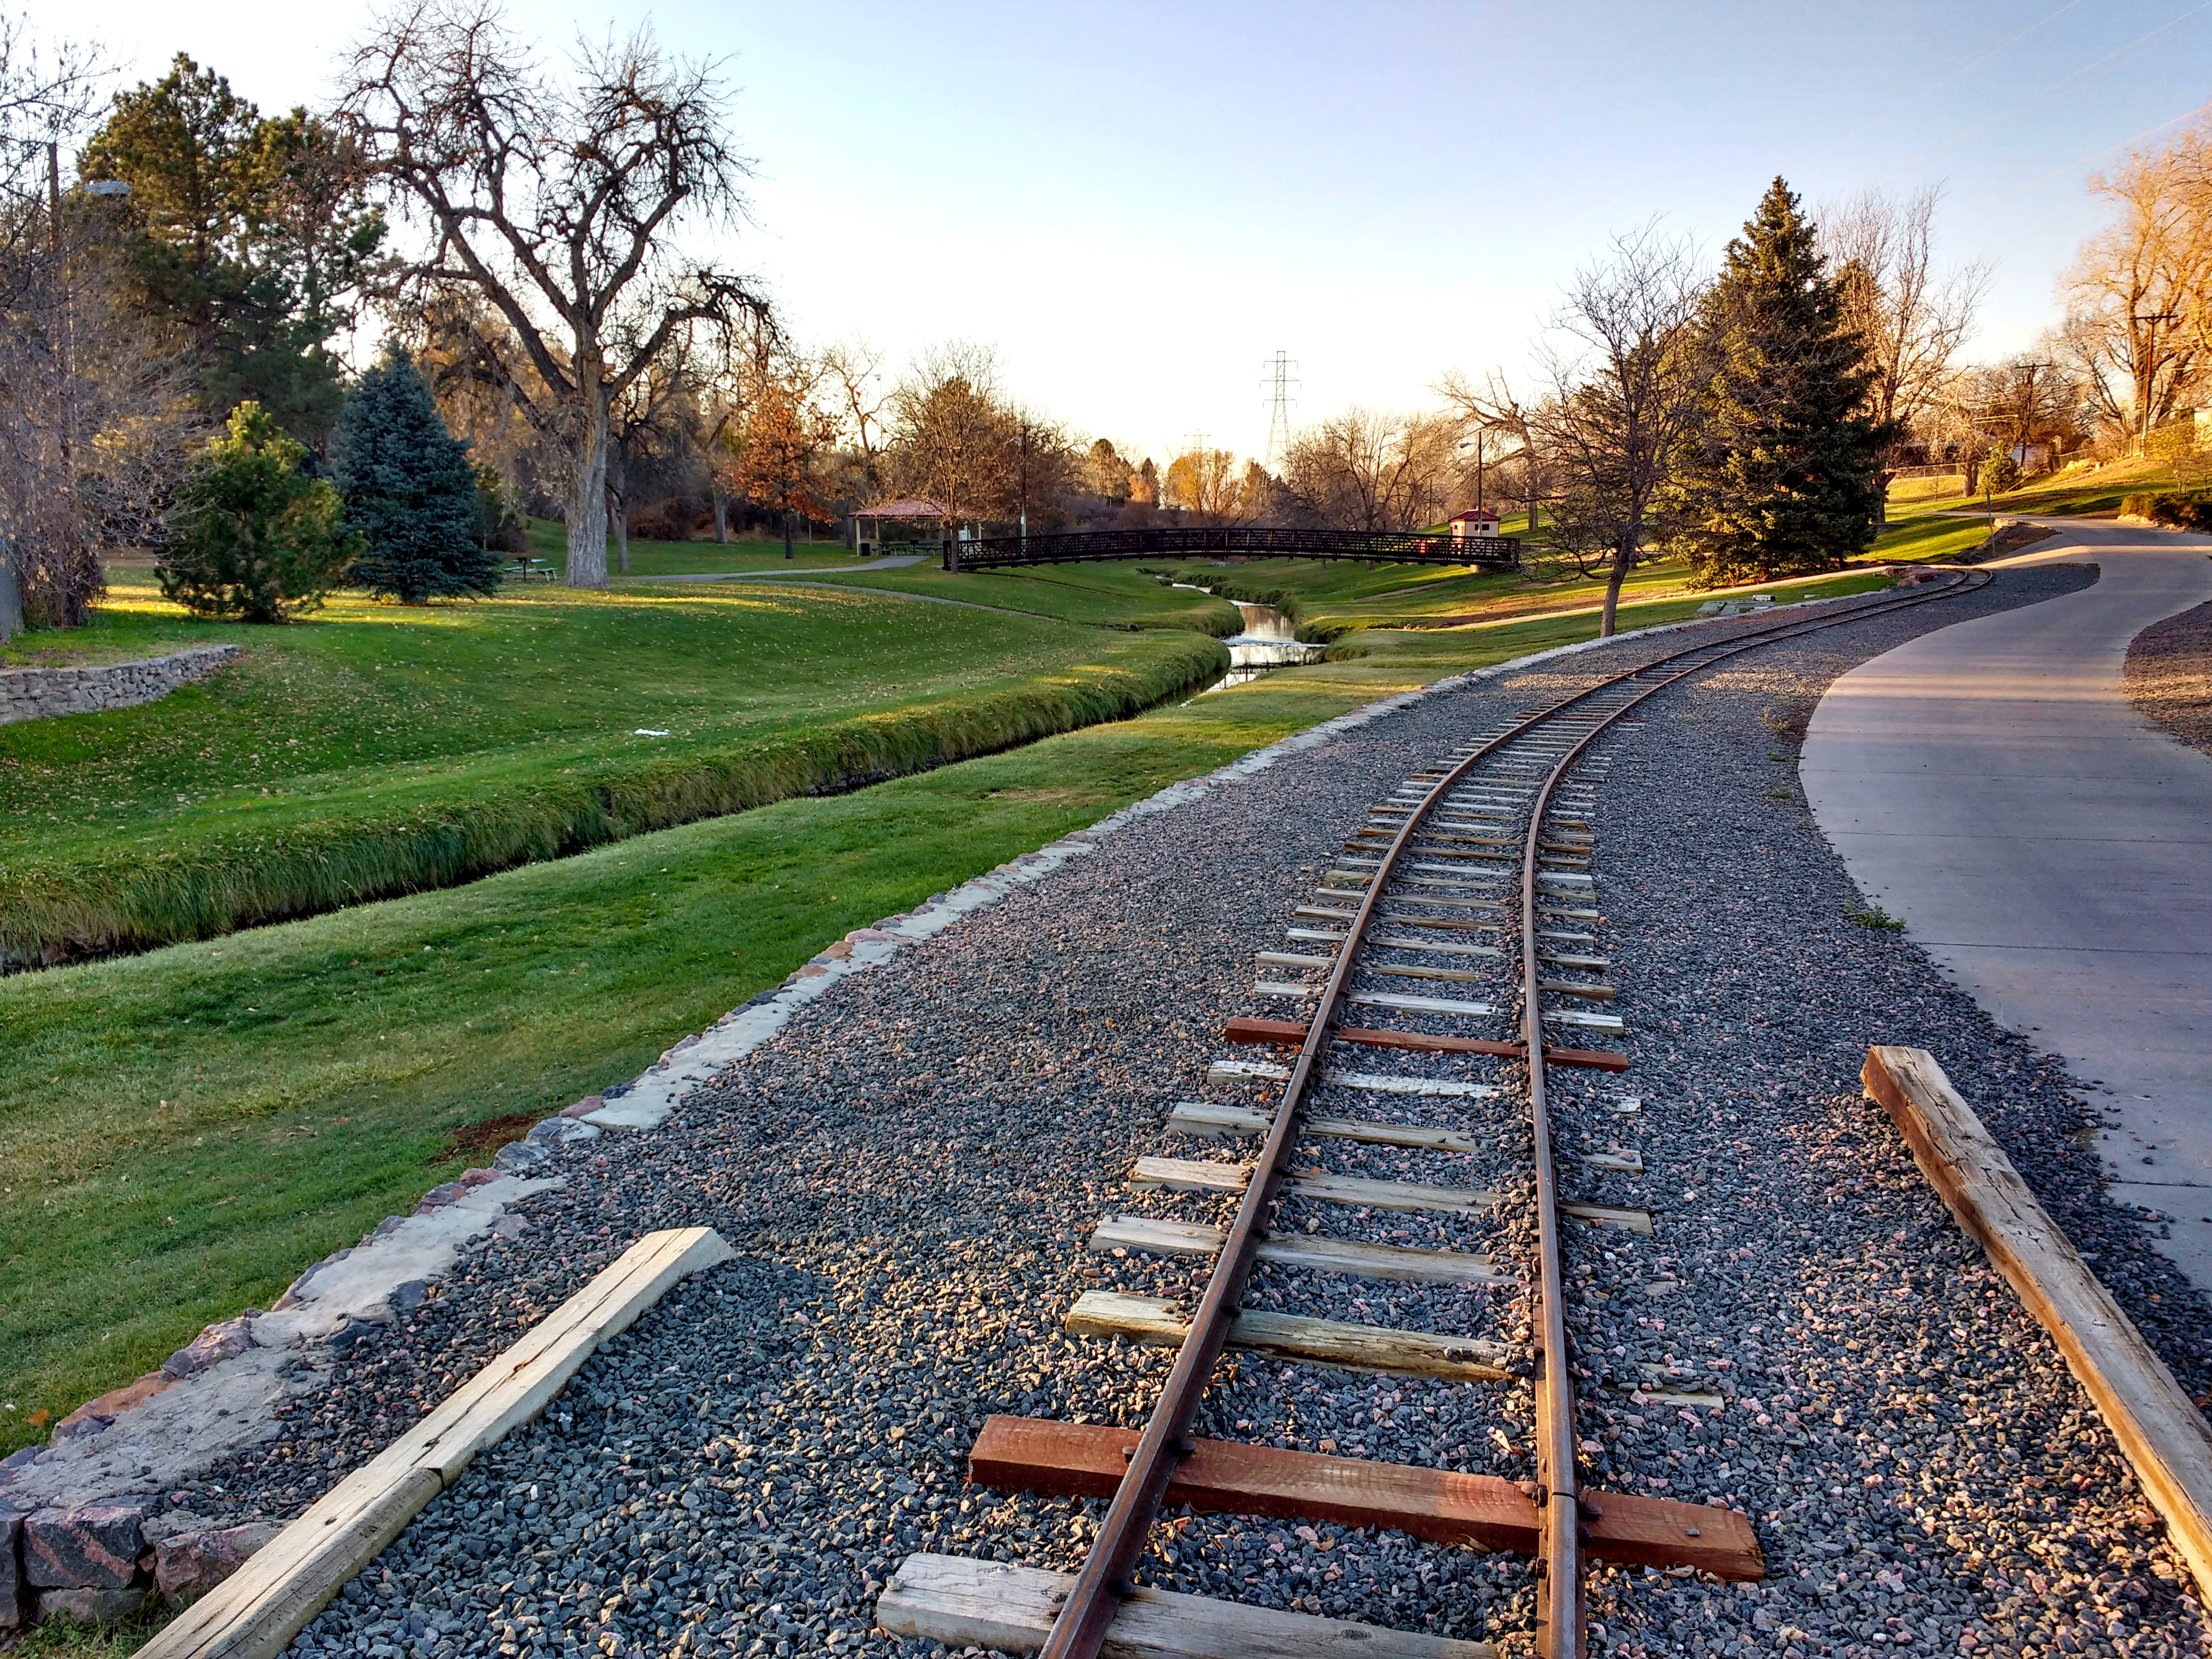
pixel 948 432
pixel 1369 470
pixel 2139 312
pixel 1912 318
pixel 559 200
pixel 1495 415
pixel 1623 378
pixel 94 423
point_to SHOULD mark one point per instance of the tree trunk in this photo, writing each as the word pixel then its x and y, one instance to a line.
pixel 786 533
pixel 587 500
pixel 1623 561
pixel 620 517
pixel 721 516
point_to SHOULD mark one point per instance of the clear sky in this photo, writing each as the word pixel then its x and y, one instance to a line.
pixel 1138 204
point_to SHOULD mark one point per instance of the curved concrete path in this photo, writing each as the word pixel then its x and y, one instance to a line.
pixel 1990 785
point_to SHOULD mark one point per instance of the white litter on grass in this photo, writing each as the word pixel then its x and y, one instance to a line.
pixel 647 731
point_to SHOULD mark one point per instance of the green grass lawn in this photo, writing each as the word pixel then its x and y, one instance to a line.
pixel 376 749
pixel 185 1131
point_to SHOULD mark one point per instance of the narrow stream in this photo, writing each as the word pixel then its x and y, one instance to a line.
pixel 1267 642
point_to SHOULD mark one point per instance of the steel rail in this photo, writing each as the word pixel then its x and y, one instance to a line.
pixel 1561 1626
pixel 1105 1579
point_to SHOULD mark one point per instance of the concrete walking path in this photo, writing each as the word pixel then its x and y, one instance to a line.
pixel 1990 785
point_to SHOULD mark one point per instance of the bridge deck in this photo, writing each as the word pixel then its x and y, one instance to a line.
pixel 1252 541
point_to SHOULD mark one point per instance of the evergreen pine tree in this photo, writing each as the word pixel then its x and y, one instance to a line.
pixel 1783 473
pixel 410 491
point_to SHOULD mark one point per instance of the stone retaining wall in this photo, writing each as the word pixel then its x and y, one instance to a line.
pixel 30 694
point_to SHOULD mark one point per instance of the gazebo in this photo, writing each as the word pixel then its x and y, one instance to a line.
pixel 911 509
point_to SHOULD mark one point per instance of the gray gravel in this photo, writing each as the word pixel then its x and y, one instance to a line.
pixel 912 1168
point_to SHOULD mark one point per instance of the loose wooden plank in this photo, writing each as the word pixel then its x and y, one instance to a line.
pixel 1197 1117
pixel 1287 1336
pixel 1311 1251
pixel 2161 1431
pixel 1085 1459
pixel 257 1611
pixel 994 1605
pixel 1290 1034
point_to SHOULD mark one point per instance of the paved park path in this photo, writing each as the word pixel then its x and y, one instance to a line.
pixel 1990 785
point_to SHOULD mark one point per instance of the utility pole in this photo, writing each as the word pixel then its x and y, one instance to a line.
pixel 65 380
pixel 2144 346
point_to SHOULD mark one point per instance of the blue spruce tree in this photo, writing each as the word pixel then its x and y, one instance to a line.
pixel 410 494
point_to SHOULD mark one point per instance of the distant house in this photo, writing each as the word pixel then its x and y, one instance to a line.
pixel 1476 521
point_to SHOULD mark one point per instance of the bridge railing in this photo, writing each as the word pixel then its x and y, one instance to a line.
pixel 1252 541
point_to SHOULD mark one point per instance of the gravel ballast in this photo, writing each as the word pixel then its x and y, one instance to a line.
pixel 910 1170
pixel 2169 675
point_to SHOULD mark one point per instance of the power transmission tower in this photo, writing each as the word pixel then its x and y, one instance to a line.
pixel 1276 380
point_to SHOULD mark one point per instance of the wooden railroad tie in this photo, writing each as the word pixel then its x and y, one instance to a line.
pixel 959 1602
pixel 1087 1459
pixel 1289 1034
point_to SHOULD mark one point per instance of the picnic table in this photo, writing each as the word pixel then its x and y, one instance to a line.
pixel 529 569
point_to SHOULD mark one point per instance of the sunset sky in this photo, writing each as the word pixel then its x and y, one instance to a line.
pixel 1137 204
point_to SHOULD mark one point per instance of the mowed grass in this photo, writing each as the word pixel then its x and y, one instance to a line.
pixel 182 1132
pixel 368 702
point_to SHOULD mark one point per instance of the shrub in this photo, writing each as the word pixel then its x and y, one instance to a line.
pixel 2178 511
pixel 2000 472
pixel 252 535
pixel 411 494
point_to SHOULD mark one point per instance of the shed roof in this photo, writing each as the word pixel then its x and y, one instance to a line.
pixel 1482 513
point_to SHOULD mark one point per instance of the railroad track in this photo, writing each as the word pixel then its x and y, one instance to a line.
pixel 1464 902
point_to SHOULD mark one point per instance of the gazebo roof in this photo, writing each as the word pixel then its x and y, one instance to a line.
pixel 909 507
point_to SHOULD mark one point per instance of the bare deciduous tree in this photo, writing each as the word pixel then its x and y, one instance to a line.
pixel 558 202
pixel 1492 408
pixel 948 434
pixel 2139 313
pixel 1041 461
pixel 1367 469
pixel 1913 320
pixel 93 421
pixel 1622 392
pixel 853 372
